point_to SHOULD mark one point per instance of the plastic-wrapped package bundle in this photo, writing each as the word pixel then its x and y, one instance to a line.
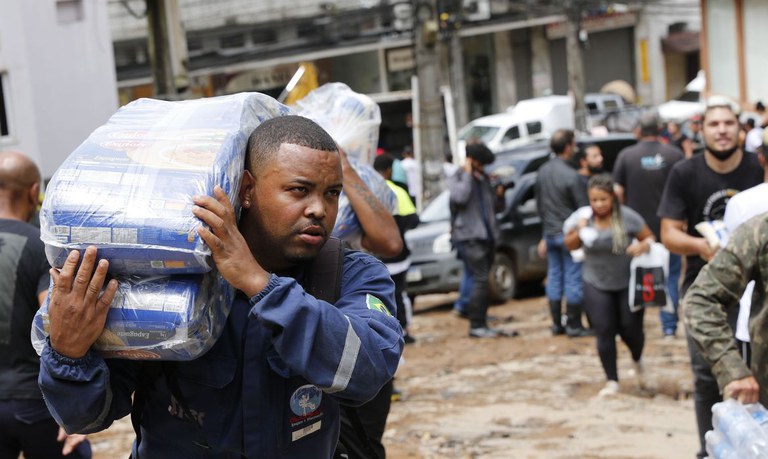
pixel 127 188
pixel 351 118
pixel 158 318
pixel 347 227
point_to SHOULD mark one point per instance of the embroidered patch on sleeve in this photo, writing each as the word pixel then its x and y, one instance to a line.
pixel 376 304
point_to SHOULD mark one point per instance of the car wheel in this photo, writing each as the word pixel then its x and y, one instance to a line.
pixel 503 281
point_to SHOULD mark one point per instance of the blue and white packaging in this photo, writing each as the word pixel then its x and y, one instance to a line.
pixel 127 188
pixel 158 318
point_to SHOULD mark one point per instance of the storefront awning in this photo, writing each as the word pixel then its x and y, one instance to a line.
pixel 681 42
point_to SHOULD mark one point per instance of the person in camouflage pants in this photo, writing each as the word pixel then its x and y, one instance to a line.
pixel 719 286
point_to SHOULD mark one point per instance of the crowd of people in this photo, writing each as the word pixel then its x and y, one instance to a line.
pixel 342 353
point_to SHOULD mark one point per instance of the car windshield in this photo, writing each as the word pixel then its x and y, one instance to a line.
pixel 438 210
pixel 482 133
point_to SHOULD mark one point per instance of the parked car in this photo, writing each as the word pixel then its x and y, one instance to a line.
pixel 521 124
pixel 435 267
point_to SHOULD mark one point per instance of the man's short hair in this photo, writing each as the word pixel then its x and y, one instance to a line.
pixel 560 140
pixel 721 102
pixel 480 153
pixel 649 125
pixel 383 162
pixel 266 139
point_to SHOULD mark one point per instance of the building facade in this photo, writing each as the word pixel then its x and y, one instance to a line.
pixel 733 53
pixel 57 76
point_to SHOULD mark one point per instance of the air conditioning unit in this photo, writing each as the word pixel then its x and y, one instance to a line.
pixel 477 10
pixel 403 16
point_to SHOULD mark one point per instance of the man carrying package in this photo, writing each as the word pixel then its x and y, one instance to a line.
pixel 272 384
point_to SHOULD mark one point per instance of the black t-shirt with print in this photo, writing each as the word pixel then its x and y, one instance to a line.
pixel 642 170
pixel 695 193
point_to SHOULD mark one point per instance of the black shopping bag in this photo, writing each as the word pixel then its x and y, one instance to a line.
pixel 650 287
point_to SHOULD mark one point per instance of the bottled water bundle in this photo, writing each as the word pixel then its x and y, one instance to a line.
pixel 740 431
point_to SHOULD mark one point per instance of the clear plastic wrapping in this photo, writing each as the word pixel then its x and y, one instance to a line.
pixel 158 318
pixel 351 118
pixel 127 188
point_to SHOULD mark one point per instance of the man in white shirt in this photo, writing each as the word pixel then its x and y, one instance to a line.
pixel 740 208
pixel 412 172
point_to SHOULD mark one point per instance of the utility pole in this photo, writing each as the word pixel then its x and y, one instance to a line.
pixel 430 117
pixel 458 87
pixel 167 49
pixel 574 61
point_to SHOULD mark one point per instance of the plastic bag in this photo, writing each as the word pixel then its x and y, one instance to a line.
pixel 158 318
pixel 351 118
pixel 648 279
pixel 127 189
pixel 347 227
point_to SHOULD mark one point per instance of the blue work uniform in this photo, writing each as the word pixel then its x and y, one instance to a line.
pixel 271 385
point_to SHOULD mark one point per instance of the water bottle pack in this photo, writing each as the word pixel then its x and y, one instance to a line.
pixel 740 431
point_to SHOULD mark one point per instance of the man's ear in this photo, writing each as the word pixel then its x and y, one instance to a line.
pixel 246 189
pixel 34 195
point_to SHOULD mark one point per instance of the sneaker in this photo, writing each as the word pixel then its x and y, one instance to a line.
pixel 483 332
pixel 461 314
pixel 409 339
pixel 611 388
pixel 638 372
pixel 558 330
pixel 578 332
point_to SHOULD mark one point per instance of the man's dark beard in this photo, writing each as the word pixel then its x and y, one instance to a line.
pixel 723 155
pixel 595 170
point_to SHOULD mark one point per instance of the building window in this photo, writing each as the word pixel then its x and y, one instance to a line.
pixel 68 11
pixel 4 129
pixel 236 40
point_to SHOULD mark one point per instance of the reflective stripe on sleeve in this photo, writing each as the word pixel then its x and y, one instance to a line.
pixel 104 413
pixel 347 362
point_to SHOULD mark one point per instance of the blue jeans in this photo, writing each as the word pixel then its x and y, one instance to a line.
pixel 669 319
pixel 563 274
pixel 465 289
pixel 478 257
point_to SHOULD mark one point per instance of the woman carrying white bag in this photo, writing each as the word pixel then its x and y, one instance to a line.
pixel 610 235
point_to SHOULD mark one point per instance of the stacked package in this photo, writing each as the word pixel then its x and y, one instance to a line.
pixel 128 191
pixel 353 120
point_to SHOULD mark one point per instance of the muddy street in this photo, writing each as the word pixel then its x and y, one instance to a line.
pixel 533 396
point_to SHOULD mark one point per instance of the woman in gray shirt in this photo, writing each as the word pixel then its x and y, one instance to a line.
pixel 610 234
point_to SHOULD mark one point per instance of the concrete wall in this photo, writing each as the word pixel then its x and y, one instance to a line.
pixel 203 14
pixel 59 75
pixel 755 38
pixel 652 25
